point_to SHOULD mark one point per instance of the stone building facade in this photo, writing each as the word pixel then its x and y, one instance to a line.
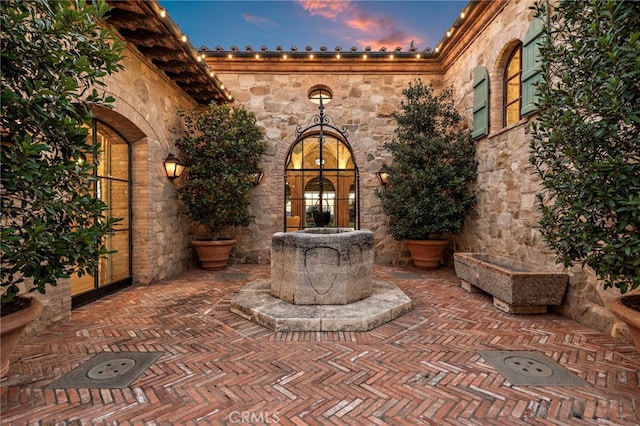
pixel 367 88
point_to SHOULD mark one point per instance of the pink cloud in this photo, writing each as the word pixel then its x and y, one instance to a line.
pixel 364 21
pixel 360 25
pixel 327 9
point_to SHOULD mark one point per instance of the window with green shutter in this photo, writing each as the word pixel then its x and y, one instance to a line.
pixel 480 102
pixel 531 66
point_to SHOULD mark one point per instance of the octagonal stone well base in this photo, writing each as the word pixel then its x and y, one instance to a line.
pixel 255 303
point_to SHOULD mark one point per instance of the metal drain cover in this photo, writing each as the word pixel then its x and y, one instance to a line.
pixel 107 370
pixel 531 368
pixel 111 369
pixel 528 367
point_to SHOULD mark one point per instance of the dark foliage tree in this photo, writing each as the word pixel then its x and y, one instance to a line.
pixel 222 146
pixel 428 192
pixel 54 56
pixel 586 139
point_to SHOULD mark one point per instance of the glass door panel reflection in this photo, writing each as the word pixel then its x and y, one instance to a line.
pixel 113 187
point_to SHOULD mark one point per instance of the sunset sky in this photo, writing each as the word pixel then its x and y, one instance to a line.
pixel 314 23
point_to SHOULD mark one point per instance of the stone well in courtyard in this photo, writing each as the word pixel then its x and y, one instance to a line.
pixel 322 266
pixel 321 280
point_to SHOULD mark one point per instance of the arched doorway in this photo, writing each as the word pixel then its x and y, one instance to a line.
pixel 113 187
pixel 320 166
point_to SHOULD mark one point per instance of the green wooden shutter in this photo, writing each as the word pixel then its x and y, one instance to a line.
pixel 531 66
pixel 480 102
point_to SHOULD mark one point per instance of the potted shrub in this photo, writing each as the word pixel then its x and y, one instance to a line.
pixel 428 193
pixel 585 145
pixel 51 225
pixel 221 150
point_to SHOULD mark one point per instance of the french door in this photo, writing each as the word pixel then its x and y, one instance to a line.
pixel 113 187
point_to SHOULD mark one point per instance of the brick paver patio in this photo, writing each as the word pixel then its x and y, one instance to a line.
pixel 217 368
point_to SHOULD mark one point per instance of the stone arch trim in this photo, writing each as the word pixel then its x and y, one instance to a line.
pixel 134 116
pixel 126 127
pixel 359 156
pixel 319 80
pixel 339 94
pixel 130 122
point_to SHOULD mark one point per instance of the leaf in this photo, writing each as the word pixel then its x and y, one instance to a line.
pixel 58 50
pixel 585 140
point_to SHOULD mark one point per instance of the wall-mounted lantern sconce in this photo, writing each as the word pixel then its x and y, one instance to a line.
pixel 256 178
pixel 383 175
pixel 173 166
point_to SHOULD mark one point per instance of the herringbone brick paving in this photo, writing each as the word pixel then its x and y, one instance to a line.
pixel 217 368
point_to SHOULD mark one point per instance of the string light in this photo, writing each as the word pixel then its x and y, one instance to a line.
pixel 388 56
pixel 462 15
pixel 200 57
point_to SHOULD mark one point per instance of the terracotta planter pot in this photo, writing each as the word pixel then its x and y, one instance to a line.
pixel 630 316
pixel 213 255
pixel 11 327
pixel 426 254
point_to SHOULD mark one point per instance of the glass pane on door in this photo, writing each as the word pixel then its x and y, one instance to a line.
pixel 113 188
pixel 115 267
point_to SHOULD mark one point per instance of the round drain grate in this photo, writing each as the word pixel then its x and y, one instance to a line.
pixel 111 369
pixel 528 367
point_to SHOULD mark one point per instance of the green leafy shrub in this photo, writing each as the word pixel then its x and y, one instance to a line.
pixel 428 192
pixel 586 139
pixel 54 54
pixel 222 146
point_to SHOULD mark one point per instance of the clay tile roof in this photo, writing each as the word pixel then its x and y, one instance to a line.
pixel 309 49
